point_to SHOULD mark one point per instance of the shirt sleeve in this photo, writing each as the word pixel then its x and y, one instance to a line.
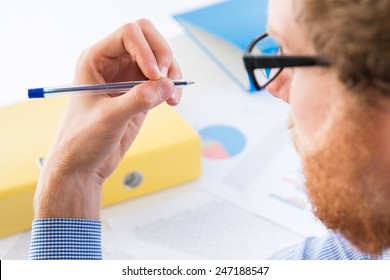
pixel 65 239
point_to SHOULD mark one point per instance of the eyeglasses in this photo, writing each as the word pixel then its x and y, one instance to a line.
pixel 264 61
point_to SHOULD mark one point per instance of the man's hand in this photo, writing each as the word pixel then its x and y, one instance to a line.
pixel 97 130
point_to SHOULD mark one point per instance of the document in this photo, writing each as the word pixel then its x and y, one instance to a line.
pixel 190 223
pixel 15 247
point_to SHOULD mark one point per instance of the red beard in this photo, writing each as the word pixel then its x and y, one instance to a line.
pixel 347 184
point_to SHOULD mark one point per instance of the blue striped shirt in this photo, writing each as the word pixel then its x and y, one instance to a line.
pixel 62 239
pixel 331 247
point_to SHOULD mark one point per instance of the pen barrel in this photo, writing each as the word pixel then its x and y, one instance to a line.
pixel 109 88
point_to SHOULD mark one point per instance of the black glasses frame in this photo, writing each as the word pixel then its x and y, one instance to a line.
pixel 255 61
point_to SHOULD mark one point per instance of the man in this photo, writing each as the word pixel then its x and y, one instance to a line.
pixel 340 123
pixel 340 118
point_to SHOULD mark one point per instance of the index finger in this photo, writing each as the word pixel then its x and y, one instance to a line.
pixel 129 40
pixel 158 44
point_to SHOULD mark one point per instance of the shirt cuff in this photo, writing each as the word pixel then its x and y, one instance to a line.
pixel 65 239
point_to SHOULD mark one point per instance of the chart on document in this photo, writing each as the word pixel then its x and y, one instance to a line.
pixel 221 141
pixel 249 160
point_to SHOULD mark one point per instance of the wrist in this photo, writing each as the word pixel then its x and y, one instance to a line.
pixel 62 194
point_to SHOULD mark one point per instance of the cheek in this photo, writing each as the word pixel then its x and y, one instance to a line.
pixel 310 105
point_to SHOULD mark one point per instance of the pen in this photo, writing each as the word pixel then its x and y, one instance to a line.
pixel 109 88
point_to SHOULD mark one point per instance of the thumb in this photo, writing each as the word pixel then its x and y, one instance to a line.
pixel 144 97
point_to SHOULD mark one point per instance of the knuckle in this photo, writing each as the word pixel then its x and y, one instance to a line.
pixel 84 56
pixel 85 65
pixel 143 22
pixel 130 28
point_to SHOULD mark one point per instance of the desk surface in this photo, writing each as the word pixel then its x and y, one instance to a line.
pixel 44 40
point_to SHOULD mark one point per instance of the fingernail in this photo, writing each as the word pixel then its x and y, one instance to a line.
pixel 157 70
pixel 175 95
pixel 164 72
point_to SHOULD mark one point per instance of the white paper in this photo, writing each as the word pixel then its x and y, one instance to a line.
pixel 15 247
pixel 189 223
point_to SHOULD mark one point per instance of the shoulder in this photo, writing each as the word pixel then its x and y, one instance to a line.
pixel 331 247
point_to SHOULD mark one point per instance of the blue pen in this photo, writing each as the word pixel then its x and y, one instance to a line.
pixel 109 88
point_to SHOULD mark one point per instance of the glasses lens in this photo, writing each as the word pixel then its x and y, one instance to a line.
pixel 265 46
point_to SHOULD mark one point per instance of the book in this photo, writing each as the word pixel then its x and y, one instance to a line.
pixel 166 153
pixel 224 31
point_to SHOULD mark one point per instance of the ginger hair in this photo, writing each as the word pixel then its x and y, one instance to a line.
pixel 354 36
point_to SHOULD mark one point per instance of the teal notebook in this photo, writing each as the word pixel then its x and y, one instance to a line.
pixel 224 30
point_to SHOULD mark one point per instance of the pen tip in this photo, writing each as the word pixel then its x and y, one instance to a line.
pixel 190 82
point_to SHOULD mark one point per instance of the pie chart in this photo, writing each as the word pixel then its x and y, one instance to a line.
pixel 221 141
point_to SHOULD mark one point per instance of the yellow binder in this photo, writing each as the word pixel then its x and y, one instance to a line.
pixel 167 152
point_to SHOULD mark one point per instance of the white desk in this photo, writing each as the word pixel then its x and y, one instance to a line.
pixel 41 41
